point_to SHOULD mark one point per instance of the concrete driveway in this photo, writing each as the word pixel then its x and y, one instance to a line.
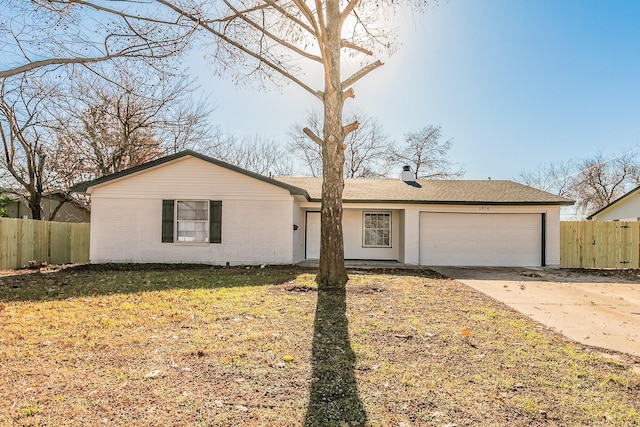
pixel 598 311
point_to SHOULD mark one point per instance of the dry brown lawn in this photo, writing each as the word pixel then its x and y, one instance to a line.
pixel 199 346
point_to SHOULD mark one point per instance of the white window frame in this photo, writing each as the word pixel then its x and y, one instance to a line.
pixel 364 228
pixel 195 221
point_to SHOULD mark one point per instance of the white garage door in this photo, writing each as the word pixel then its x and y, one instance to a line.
pixel 472 239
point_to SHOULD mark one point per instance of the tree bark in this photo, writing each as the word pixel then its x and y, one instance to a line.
pixel 34 206
pixel 332 272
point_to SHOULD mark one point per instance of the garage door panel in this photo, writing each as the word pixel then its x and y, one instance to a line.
pixel 480 239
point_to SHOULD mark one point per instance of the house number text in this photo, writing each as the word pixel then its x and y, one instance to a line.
pixel 484 208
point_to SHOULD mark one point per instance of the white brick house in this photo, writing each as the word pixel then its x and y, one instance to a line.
pixel 190 208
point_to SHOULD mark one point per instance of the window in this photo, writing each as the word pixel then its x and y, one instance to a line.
pixel 192 221
pixel 377 230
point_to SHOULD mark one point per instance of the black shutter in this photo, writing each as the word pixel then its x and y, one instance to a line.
pixel 215 221
pixel 167 221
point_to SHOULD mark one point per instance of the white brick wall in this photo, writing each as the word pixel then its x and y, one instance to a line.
pixel 406 237
pixel 257 218
pixel 353 228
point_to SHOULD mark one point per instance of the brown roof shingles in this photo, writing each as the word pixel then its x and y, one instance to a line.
pixel 376 190
pixel 433 191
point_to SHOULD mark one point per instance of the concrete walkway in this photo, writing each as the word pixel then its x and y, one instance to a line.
pixel 597 311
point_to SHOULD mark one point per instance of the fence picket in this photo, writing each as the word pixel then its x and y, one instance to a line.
pixel 595 244
pixel 24 240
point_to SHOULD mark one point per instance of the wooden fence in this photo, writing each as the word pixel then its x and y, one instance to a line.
pixel 24 240
pixel 595 244
pixel 583 244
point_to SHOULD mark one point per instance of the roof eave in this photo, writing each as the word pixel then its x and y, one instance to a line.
pixel 599 211
pixel 458 202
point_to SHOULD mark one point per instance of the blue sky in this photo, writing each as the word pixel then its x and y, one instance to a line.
pixel 512 83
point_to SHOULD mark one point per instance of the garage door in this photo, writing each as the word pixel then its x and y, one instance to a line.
pixel 472 239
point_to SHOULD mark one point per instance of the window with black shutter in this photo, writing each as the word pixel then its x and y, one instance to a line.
pixel 194 221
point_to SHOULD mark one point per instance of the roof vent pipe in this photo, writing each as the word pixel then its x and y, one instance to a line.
pixel 407 174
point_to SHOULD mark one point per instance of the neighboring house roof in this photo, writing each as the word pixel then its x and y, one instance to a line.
pixel 606 208
pixel 490 192
pixel 360 190
pixel 58 196
pixel 83 187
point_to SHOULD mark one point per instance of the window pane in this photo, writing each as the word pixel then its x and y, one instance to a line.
pixel 377 229
pixel 192 231
pixel 193 210
pixel 192 221
pixel 384 238
pixel 370 238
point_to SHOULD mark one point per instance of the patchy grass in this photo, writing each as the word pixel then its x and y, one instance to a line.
pixel 196 346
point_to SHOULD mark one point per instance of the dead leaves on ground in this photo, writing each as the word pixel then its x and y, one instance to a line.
pixel 428 352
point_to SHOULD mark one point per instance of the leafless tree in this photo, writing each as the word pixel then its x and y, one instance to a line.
pixel 307 153
pixel 27 138
pixel 593 183
pixel 427 155
pixel 260 155
pixel 109 135
pixel 110 126
pixel 600 181
pixel 42 41
pixel 44 35
pixel 187 125
pixel 57 132
pixel 292 40
pixel 555 177
pixel 365 153
pixel 365 149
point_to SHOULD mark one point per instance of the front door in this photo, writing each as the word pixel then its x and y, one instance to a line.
pixel 312 233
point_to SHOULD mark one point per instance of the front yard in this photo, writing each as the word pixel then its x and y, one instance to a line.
pixel 200 346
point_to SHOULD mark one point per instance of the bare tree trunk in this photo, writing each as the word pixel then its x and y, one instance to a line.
pixel 332 271
pixel 61 203
pixel 35 199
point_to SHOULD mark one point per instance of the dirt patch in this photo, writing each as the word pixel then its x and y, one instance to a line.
pixel 537 274
pixel 582 274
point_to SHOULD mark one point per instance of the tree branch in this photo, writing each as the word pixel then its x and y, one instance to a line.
pixel 308 13
pixel 315 138
pixel 272 36
pixel 361 73
pixel 350 45
pixel 54 61
pixel 349 93
pixel 346 130
pixel 291 17
pixel 322 33
pixel 120 13
pixel 236 13
pixel 347 11
pixel 240 47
